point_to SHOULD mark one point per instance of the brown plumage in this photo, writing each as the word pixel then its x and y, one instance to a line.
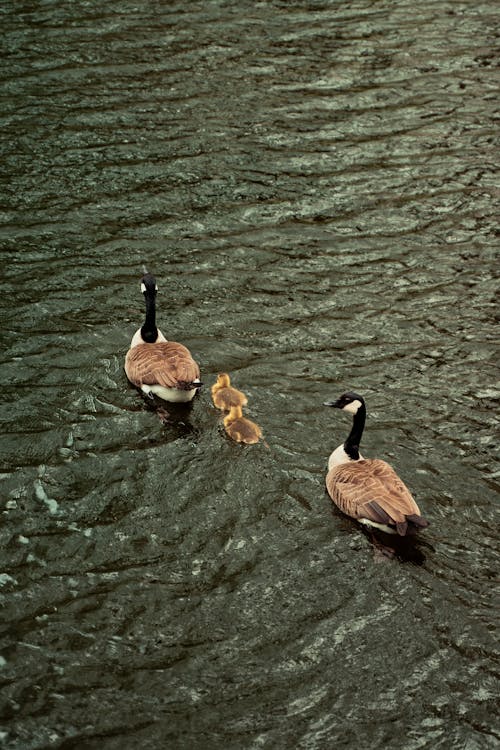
pixel 224 395
pixel 155 365
pixel 240 428
pixel 369 490
pixel 167 364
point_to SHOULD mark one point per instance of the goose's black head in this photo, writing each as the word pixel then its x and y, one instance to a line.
pixel 351 402
pixel 148 284
pixel 355 405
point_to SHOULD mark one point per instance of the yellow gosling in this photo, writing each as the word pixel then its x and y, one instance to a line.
pixel 224 395
pixel 240 429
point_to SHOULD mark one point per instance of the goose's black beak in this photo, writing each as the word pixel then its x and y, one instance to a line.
pixel 336 403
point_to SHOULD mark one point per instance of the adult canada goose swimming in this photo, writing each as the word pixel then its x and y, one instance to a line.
pixel 240 428
pixel 369 490
pixel 224 395
pixel 155 365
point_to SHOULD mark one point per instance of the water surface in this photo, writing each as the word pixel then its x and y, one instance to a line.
pixel 313 185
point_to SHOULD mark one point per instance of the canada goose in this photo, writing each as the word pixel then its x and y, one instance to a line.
pixel 369 490
pixel 224 395
pixel 158 366
pixel 241 429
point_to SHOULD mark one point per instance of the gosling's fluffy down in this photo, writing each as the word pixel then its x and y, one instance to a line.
pixel 224 395
pixel 241 429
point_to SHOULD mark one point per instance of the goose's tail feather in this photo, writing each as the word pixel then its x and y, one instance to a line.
pixel 412 524
pixel 189 385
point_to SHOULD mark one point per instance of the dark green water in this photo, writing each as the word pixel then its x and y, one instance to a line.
pixel 314 186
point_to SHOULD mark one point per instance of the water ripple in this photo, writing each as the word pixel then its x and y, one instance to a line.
pixel 314 188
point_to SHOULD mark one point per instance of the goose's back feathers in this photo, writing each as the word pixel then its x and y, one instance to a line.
pixel 371 491
pixel 167 364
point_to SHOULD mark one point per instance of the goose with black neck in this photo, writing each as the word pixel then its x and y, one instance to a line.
pixel 369 490
pixel 156 366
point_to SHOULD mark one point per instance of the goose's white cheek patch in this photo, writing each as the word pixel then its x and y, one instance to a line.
pixel 353 407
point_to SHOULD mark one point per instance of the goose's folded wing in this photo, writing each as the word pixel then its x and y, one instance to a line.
pixel 370 489
pixel 168 364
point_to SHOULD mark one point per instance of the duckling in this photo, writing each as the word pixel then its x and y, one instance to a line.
pixel 224 395
pixel 155 365
pixel 241 429
pixel 369 490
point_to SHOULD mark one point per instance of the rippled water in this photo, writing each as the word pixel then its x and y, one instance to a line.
pixel 313 185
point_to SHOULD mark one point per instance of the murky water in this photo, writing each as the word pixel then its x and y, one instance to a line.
pixel 313 185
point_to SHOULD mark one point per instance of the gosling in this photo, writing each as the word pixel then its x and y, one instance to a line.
pixel 241 429
pixel 224 395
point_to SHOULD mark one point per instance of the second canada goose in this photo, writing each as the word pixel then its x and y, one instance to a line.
pixel 224 395
pixel 369 490
pixel 240 428
pixel 155 365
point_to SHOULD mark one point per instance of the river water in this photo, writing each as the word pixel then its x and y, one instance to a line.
pixel 313 185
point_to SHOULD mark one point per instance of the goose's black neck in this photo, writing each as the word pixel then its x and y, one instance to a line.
pixel 149 331
pixel 351 445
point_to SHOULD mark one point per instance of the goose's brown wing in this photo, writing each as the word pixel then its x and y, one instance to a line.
pixel 371 489
pixel 167 363
pixel 224 398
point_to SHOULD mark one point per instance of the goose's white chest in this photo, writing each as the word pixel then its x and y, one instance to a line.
pixel 137 338
pixel 339 456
